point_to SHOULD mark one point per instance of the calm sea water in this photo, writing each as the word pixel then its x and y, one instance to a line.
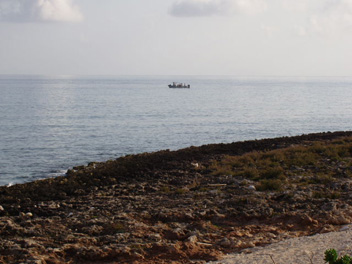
pixel 51 123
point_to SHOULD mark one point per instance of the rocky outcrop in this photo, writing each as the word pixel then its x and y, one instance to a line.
pixel 169 206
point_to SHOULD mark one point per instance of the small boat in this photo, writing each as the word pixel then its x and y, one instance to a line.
pixel 179 85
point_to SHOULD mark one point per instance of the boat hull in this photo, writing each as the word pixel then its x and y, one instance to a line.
pixel 179 86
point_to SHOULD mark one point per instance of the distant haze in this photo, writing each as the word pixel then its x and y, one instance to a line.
pixel 176 37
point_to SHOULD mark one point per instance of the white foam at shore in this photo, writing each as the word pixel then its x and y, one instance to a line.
pixel 58 173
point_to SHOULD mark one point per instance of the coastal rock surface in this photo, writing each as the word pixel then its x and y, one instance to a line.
pixel 299 250
pixel 188 206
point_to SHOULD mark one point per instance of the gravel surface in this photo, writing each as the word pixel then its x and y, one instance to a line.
pixel 300 250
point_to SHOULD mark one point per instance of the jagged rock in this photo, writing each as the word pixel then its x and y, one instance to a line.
pixel 248 244
pixel 338 220
pixel 158 207
pixel 252 188
pixel 225 242
pixel 29 215
pixel 330 206
pixel 154 237
pixel 35 260
pixel 192 239
pixel 176 234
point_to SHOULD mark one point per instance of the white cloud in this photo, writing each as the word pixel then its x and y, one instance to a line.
pixel 324 17
pixel 336 16
pixel 39 11
pixel 300 30
pixel 268 30
pixel 190 8
pixel 296 5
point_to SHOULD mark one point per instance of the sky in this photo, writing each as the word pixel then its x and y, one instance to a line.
pixel 176 37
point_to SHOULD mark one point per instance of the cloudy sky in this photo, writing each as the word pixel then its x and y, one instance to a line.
pixel 162 37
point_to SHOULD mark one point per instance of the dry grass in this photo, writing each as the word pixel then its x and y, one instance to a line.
pixel 315 163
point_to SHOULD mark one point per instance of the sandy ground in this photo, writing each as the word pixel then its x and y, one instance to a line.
pixel 298 250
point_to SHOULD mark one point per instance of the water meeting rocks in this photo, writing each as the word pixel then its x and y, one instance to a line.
pixel 170 206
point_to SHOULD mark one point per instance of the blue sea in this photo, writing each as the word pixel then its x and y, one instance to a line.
pixel 52 123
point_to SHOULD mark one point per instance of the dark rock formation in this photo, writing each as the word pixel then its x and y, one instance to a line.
pixel 170 206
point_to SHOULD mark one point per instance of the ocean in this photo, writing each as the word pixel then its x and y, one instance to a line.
pixel 52 123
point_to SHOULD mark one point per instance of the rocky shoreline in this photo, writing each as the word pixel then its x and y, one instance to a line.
pixel 188 206
pixel 297 250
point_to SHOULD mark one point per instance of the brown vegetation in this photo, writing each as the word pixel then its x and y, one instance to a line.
pixel 186 206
